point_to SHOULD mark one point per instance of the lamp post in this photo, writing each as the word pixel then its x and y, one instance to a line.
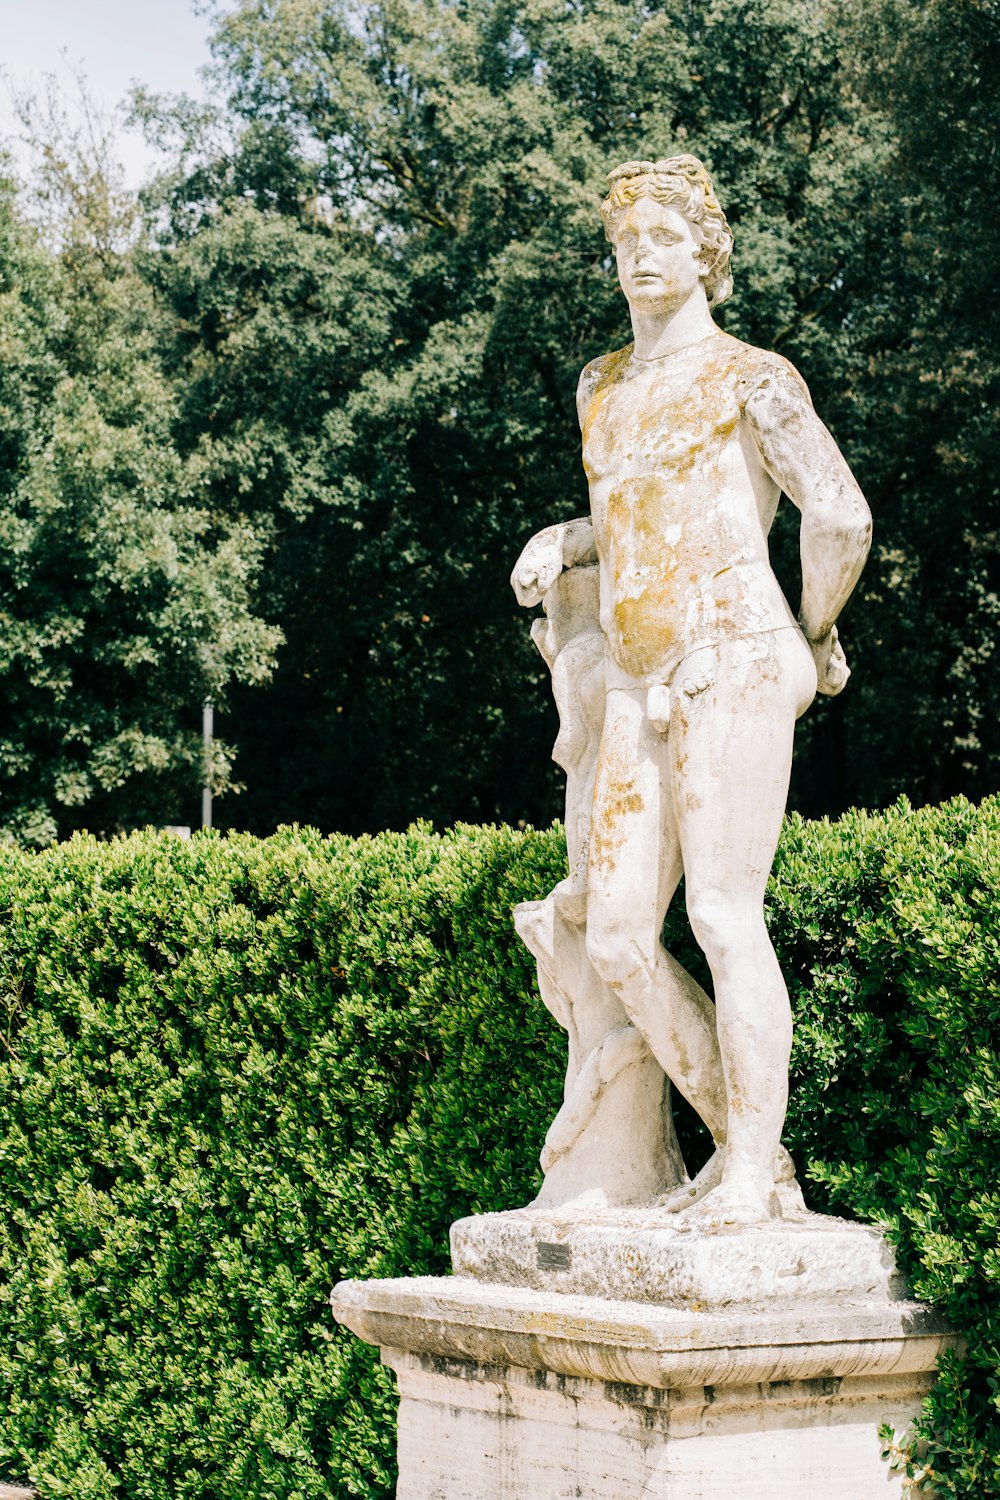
pixel 207 735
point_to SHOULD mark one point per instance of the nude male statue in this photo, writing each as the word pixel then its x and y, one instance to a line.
pixel 689 439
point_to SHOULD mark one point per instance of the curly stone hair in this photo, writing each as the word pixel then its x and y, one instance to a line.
pixel 680 182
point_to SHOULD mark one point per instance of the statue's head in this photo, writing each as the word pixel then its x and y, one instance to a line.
pixel 682 184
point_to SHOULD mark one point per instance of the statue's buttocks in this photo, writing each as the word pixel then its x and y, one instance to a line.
pixel 680 504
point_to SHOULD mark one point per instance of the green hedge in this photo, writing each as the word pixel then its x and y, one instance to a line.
pixel 234 1070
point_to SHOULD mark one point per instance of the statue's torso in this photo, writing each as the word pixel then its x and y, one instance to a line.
pixel 681 504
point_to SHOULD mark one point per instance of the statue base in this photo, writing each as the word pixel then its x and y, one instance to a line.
pixel 723 1371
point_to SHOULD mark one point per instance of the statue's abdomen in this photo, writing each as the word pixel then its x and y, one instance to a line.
pixel 685 565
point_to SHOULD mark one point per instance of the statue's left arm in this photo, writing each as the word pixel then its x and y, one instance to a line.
pixel 803 459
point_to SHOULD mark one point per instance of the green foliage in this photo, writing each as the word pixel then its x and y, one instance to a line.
pixel 921 414
pixel 333 378
pixel 896 1059
pixel 124 598
pixel 232 1071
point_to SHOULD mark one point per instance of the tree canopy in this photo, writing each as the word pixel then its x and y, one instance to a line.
pixel 124 598
pixel 350 336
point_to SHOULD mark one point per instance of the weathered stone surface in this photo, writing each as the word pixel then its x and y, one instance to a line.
pixel 679 670
pixel 646 1255
pixel 634 1342
pixel 613 1140
pixel 527 1395
pixel 634 1333
pixel 467 1433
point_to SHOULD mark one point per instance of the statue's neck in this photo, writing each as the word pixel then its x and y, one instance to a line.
pixel 657 332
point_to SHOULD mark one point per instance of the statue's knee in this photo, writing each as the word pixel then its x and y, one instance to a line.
pixel 729 929
pixel 715 921
pixel 613 951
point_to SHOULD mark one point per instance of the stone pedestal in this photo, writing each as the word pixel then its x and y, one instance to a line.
pixel 609 1355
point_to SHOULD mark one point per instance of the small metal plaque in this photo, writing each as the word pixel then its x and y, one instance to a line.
pixel 554 1257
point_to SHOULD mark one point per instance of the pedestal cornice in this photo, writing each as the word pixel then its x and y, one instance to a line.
pixel 637 1343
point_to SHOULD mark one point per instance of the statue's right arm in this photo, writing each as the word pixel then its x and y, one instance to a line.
pixel 568 544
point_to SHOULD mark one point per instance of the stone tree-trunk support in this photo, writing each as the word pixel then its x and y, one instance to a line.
pixel 637 1330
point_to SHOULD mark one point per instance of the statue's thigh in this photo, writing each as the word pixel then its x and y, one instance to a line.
pixel 634 852
pixel 733 718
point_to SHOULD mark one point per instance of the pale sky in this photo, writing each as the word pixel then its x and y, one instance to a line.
pixel 160 43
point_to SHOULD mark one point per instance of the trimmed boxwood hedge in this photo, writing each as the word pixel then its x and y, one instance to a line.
pixel 234 1070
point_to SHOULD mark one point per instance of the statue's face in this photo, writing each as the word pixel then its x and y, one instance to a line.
pixel 657 254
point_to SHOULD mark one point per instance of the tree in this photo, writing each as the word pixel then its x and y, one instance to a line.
pixel 124 600
pixel 928 432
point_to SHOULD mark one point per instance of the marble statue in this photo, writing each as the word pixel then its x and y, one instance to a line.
pixel 679 671
pixel 632 1331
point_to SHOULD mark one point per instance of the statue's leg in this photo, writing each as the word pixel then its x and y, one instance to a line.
pixel 730 745
pixel 633 871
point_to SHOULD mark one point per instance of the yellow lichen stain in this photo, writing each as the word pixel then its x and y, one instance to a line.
pixel 605 841
pixel 700 453
pixel 611 368
pixel 644 635
pixel 643 566
pixel 668 417
pixel 656 441
pixel 616 797
pixel 623 802
pixel 609 375
pixel 694 423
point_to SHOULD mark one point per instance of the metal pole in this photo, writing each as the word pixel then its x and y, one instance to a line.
pixel 207 735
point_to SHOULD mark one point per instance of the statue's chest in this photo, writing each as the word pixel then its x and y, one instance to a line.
pixel 673 425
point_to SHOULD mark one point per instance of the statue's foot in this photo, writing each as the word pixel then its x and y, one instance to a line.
pixel 790 1200
pixel 741 1201
pixel 689 1193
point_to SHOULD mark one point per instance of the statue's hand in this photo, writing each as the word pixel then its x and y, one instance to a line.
pixel 538 567
pixel 832 670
